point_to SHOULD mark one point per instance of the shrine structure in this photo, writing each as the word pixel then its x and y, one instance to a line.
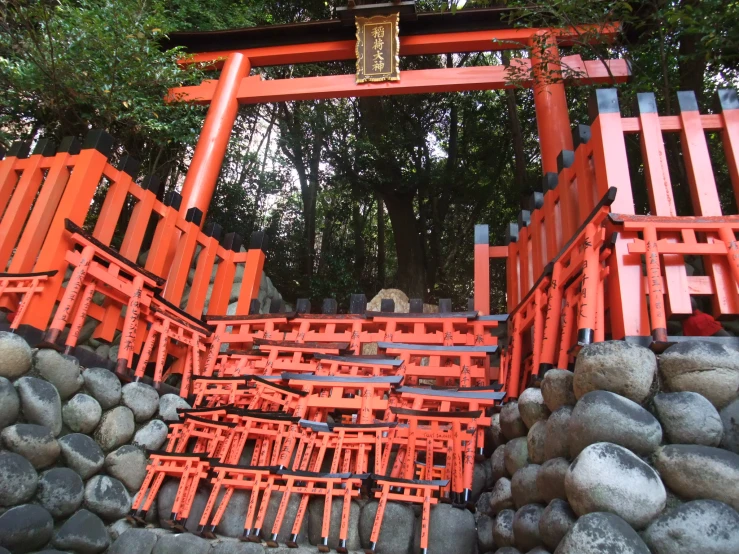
pixel 377 404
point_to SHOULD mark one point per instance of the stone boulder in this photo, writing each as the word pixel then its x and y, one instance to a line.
pixel 81 454
pixel 18 479
pixel 397 532
pixel 556 442
pixel 508 550
pixel 61 371
pixel 710 369
pixel 555 522
pixel 503 529
pixel 480 479
pixel 232 523
pixel 40 403
pixel 10 404
pixel 707 368
pixel 602 416
pixel 36 443
pixel 238 547
pixel 183 543
pixel 128 465
pixel 551 479
pixel 688 418
pixel 557 389
pixel 60 491
pixel 523 486
pixel 482 506
pixel 511 422
pixel 140 541
pixel 730 421
pixel 103 386
pixel 608 478
pixel 526 527
pixel 497 464
pixel 401 300
pixel 152 435
pixel 536 442
pixel 616 366
pixel 82 414
pixel 315 521
pixel 501 498
pixel 532 407
pixel 168 405
pixel 15 355
pixel 700 472
pixel 141 399
pixel 83 533
pixel 25 528
pixel 516 455
pixel 107 498
pixel 165 502
pixel 451 531
pixel 601 532
pixel 704 526
pixel 494 434
pixel 485 541
pixel 116 428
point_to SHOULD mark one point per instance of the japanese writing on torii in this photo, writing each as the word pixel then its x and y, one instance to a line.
pixel 378 33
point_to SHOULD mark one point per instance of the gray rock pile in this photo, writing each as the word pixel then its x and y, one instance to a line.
pixel 69 464
pixel 629 453
pixel 602 460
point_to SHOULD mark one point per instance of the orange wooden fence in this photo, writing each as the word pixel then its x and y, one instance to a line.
pixel 53 185
pixel 643 275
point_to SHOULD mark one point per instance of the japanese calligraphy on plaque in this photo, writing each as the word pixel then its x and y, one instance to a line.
pixel 378 47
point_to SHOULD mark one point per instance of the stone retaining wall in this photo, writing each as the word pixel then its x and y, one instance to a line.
pixel 595 461
pixel 628 454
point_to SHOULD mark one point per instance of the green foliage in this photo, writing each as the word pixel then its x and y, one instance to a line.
pixel 69 66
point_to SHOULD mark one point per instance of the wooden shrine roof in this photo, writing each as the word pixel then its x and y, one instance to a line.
pixel 478 19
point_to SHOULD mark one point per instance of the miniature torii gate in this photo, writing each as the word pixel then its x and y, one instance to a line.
pixel 236 52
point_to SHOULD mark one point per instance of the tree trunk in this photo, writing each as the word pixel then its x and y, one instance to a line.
pixel 517 135
pixel 692 66
pixel 327 241
pixel 411 270
pixel 380 243
pixel 359 256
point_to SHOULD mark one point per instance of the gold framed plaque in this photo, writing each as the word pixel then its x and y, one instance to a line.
pixel 378 48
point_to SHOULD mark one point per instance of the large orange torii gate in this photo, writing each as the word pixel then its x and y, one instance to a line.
pixel 236 52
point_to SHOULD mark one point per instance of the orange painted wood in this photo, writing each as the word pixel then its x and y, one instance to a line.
pixel 137 225
pixel 498 252
pixel 730 138
pixel 42 214
pixel 115 198
pixel 9 169
pixel 701 181
pixel 74 205
pixel 611 162
pixel 222 285
pixel 482 276
pixel 180 267
pixel 20 203
pixel 253 268
pixel 202 175
pixel 441 43
pixel 550 101
pixel 662 203
pixel 254 90
pixel 201 281
pixel 158 259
